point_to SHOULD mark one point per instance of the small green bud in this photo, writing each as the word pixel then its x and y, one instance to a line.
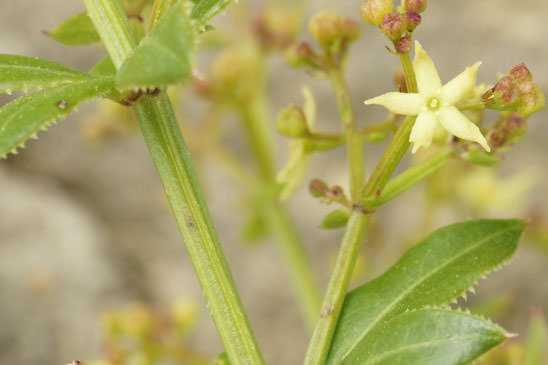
pixel 336 219
pixel 374 11
pixel 393 25
pixel 291 122
pixel 415 6
pixel 326 27
pixel 317 188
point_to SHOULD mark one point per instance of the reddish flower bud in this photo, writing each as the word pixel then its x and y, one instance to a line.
pixel 415 6
pixel 413 20
pixel 350 29
pixel 374 11
pixel 405 44
pixel 531 98
pixel 317 188
pixel 300 54
pixel 520 72
pixel 505 91
pixel 393 25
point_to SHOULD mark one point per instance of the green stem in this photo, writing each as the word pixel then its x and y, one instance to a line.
pixel 112 24
pixel 353 137
pixel 318 347
pixel 471 104
pixel 409 178
pixel 337 287
pixel 172 161
pixel 399 144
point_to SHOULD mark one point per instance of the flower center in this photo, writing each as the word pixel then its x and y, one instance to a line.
pixel 433 104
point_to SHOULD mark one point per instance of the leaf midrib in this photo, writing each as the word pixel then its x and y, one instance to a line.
pixel 417 283
pixel 68 72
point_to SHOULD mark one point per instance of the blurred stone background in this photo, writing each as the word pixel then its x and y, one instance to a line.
pixel 84 229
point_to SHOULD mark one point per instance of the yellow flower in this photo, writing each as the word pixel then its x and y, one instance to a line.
pixel 434 103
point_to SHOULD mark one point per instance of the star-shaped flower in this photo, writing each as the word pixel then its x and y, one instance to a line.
pixel 434 103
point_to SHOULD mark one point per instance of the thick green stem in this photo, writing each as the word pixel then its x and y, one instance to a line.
pixel 170 156
pixel 113 26
pixel 318 347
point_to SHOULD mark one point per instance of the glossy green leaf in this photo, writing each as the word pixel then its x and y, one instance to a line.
pixel 163 57
pixel 76 31
pixel 22 118
pixel 428 337
pixel 24 73
pixel 204 10
pixel 336 219
pixel 435 272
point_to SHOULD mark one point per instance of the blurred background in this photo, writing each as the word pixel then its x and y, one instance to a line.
pixel 89 248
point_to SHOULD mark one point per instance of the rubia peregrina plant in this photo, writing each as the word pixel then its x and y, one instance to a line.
pixel 403 316
pixel 362 327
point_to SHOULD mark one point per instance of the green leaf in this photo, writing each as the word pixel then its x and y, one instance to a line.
pixel 163 57
pixel 435 272
pixel 24 73
pixel 204 10
pixel 336 219
pixel 76 31
pixel 22 118
pixel 428 337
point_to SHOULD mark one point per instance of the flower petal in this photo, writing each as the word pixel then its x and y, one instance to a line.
pixel 399 103
pixel 457 124
pixel 462 85
pixel 423 130
pixel 428 79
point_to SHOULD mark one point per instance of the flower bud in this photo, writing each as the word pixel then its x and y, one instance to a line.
pixel 393 25
pixel 405 44
pixel 350 30
pixel 413 20
pixel 326 27
pixel 531 98
pixel 317 188
pixel 276 27
pixel 374 11
pixel 299 54
pixel 415 6
pixel 505 91
pixel 520 73
pixel 291 122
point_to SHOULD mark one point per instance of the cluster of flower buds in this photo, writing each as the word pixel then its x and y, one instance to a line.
pixel 319 189
pixel 517 92
pixel 334 34
pixel 291 122
pixel 276 27
pixel 396 24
